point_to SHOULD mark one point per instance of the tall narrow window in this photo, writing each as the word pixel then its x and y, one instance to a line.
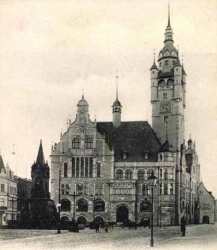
pixel 73 166
pixel 86 167
pixel 82 166
pixel 141 174
pixel 62 189
pixel 91 167
pixel 171 189
pixel 67 188
pixel 98 169
pixel 76 143
pixel 161 189
pixel 164 95
pixel 77 166
pixel 2 188
pixel 65 169
pixel 166 62
pixel 165 174
pixel 89 143
pixel 165 189
pixel 129 174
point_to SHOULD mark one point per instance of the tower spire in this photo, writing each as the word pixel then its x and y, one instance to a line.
pixel 82 93
pixel 116 84
pixel 168 13
pixel 40 158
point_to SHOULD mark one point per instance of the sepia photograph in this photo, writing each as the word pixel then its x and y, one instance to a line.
pixel 108 124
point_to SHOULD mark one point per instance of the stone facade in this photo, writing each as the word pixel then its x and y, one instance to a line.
pixel 105 166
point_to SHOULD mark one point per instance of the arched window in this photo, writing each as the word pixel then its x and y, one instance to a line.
pixel 64 218
pixel 99 205
pixel 82 220
pixel 99 220
pixel 65 205
pixel 82 205
pixel 76 143
pixel 161 83
pixel 89 143
pixel 119 174
pixel 141 174
pixel 129 174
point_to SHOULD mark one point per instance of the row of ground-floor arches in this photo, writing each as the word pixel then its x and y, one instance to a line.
pixel 98 205
pixel 122 215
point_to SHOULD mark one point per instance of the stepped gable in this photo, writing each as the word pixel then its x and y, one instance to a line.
pixel 132 138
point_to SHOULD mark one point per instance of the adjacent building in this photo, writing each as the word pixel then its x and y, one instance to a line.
pixel 8 194
pixel 206 205
pixel 101 168
pixel 23 193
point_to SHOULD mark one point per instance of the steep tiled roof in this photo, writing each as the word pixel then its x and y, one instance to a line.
pixel 162 74
pixel 165 147
pixel 133 138
pixel 2 166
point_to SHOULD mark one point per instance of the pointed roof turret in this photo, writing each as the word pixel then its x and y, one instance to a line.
pixel 154 66
pixel 183 70
pixel 116 102
pixel 168 25
pixel 169 31
pixel 40 158
pixel 2 166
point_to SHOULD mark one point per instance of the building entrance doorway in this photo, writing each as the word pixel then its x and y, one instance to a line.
pixel 122 214
pixel 205 219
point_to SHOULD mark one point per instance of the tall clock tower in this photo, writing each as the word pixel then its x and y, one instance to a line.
pixel 168 81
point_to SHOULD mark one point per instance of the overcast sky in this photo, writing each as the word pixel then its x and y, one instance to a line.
pixel 50 50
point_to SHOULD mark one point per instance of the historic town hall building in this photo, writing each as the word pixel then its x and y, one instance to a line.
pixel 105 165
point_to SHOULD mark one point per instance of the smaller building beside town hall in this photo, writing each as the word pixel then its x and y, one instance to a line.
pixel 8 194
pixel 206 205
pixel 13 194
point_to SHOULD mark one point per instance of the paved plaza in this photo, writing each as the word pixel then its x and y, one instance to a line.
pixel 197 237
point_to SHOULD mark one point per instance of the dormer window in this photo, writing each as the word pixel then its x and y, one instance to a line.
pixel 124 156
pixel 146 156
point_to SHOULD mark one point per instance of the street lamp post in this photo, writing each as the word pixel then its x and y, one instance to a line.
pixel 74 195
pixel 93 199
pixel 152 179
pixel 59 205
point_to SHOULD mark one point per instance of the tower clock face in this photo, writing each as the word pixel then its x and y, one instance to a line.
pixel 165 106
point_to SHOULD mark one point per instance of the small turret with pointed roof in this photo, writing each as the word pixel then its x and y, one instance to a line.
pixel 2 166
pixel 154 66
pixel 116 108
